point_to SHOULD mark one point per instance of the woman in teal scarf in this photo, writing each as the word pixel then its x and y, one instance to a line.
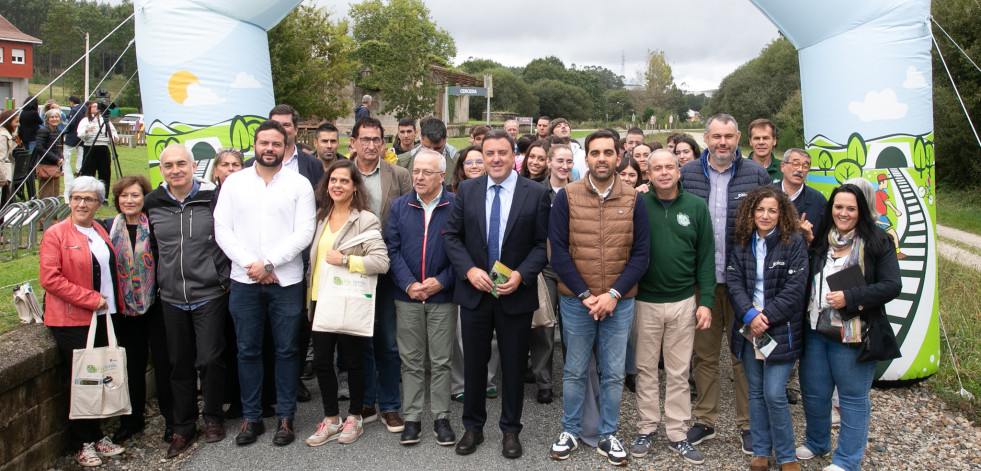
pixel 142 322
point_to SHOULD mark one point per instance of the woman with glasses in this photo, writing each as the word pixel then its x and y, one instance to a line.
pixel 78 274
pixel 469 164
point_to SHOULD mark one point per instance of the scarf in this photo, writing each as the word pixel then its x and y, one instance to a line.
pixel 837 242
pixel 134 267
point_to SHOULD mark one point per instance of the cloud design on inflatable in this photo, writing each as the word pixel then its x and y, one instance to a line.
pixel 914 79
pixel 879 106
pixel 198 95
pixel 245 80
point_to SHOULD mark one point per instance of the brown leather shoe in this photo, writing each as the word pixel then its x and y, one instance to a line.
pixel 214 433
pixel 368 414
pixel 179 444
pixel 392 421
pixel 791 466
pixel 511 446
pixel 759 463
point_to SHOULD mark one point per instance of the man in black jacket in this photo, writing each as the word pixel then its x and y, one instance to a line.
pixel 721 177
pixel 808 201
pixel 193 276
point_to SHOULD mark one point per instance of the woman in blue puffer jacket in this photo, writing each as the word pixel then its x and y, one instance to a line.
pixel 766 277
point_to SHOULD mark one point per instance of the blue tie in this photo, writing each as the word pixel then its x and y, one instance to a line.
pixel 494 231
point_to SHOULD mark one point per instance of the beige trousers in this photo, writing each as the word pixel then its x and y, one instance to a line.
pixel 708 349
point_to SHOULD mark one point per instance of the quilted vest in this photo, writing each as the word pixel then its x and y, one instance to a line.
pixel 601 234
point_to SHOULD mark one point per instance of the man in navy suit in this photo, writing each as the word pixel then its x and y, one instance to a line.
pixel 498 217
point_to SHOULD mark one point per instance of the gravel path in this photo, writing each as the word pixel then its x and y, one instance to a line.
pixel 961 256
pixel 910 428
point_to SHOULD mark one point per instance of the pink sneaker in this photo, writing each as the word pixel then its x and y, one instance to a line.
pixel 106 447
pixel 351 430
pixel 87 456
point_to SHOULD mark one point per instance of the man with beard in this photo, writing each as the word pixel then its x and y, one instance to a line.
pixel 293 158
pixel 809 202
pixel 264 218
pixel 604 222
pixel 326 141
pixel 722 178
pixel 433 137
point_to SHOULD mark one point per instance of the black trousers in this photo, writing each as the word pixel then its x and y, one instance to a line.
pixel 477 327
pixel 233 394
pixel 196 341
pixel 324 344
pixel 81 431
pixel 96 159
pixel 136 334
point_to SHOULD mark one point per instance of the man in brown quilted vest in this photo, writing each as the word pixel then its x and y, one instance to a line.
pixel 599 233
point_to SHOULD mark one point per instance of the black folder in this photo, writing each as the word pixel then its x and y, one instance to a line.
pixel 850 277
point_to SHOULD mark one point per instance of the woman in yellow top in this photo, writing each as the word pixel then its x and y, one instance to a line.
pixel 344 213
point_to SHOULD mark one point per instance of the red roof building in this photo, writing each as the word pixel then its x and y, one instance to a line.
pixel 16 61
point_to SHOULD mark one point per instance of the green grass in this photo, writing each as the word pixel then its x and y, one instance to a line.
pixel 960 209
pixel 960 309
pixel 25 266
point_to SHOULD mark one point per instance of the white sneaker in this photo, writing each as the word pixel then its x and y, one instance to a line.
pixel 87 456
pixel 833 467
pixel 326 431
pixel 805 453
pixel 106 447
pixel 563 447
pixel 350 431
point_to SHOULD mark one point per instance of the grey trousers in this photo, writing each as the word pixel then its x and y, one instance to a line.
pixel 420 325
pixel 542 340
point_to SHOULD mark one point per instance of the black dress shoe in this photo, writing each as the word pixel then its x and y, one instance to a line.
pixel 302 393
pixel 284 433
pixel 444 432
pixel 511 447
pixel 179 444
pixel 307 372
pixel 249 432
pixel 411 432
pixel 545 396
pixel 468 444
pixel 123 433
pixel 630 381
pixel 168 434
pixel 234 411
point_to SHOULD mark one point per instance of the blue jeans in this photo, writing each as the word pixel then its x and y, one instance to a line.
pixel 382 364
pixel 769 415
pixel 824 365
pixel 580 332
pixel 250 305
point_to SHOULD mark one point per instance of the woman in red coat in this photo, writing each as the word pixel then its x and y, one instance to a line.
pixel 79 278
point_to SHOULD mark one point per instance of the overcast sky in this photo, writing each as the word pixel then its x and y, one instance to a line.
pixel 703 40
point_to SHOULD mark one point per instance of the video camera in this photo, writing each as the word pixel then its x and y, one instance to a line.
pixel 105 104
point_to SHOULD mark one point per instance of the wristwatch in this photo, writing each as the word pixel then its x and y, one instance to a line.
pixel 268 266
pixel 584 295
pixel 344 260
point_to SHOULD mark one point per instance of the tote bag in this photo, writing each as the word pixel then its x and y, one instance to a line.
pixel 99 384
pixel 545 314
pixel 346 300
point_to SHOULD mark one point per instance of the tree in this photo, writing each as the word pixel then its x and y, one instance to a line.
pixel 475 66
pixel 559 99
pixel 510 94
pixel 607 78
pixel 658 78
pixel 618 104
pixel 550 67
pixel 957 151
pixel 790 122
pixel 760 87
pixel 396 43
pixel 310 60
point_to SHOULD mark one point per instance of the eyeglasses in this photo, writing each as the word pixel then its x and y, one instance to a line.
pixel 365 141
pixel 796 165
pixel 474 162
pixel 86 200
pixel 416 172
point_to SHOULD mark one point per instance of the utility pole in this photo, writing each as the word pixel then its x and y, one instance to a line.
pixel 86 67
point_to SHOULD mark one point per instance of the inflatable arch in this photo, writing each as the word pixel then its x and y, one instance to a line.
pixel 865 79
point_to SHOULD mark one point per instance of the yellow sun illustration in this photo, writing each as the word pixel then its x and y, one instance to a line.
pixel 178 85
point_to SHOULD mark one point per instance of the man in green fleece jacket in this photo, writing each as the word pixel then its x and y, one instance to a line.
pixel 667 310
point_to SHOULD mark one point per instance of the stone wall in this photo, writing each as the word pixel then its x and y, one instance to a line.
pixel 33 400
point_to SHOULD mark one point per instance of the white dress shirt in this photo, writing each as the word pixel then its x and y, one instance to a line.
pixel 255 222
pixel 507 195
